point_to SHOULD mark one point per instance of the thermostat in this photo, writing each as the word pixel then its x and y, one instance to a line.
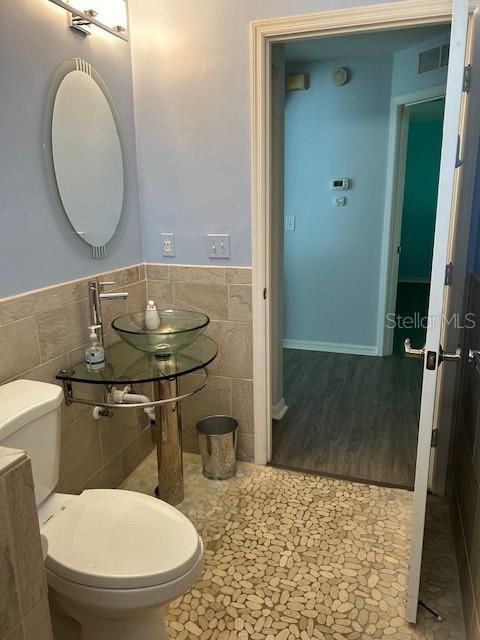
pixel 339 184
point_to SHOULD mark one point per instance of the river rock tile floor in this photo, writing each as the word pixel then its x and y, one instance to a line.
pixel 289 555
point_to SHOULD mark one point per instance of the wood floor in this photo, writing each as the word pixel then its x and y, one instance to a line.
pixel 350 416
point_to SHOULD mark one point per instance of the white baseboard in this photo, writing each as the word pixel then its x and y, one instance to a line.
pixel 331 347
pixel 279 410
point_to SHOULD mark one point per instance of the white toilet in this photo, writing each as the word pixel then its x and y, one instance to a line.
pixel 114 557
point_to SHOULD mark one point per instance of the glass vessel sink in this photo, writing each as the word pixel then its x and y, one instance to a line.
pixel 178 328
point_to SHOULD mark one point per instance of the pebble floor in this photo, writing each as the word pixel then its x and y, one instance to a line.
pixel 289 555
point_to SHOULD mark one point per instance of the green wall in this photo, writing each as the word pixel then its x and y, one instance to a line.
pixel 420 198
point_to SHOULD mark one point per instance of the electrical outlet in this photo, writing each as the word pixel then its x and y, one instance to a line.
pixel 168 245
pixel 218 245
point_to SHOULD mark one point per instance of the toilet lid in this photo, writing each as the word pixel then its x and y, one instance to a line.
pixel 118 539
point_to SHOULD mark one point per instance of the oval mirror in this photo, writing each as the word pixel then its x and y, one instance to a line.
pixel 86 155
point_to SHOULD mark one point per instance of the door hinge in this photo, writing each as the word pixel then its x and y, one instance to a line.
pixel 434 441
pixel 448 274
pixel 467 78
pixel 265 294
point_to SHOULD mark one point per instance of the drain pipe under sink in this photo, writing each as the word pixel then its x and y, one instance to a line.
pixel 124 396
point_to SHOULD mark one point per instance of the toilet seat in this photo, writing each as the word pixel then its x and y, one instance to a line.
pixel 115 539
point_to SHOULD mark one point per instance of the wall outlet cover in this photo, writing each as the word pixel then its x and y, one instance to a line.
pixel 168 245
pixel 218 245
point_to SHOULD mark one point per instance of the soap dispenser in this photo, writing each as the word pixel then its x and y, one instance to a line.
pixel 95 353
pixel 152 319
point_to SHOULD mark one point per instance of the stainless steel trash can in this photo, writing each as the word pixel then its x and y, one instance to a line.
pixel 217 440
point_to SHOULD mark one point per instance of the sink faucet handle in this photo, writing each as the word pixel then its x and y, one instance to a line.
pixel 106 283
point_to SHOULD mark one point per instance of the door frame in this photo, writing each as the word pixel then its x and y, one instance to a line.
pixel 396 166
pixel 263 34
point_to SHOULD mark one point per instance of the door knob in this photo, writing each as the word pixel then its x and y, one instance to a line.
pixel 450 357
pixel 474 358
pixel 411 352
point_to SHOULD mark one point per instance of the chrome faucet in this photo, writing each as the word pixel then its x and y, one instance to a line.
pixel 95 296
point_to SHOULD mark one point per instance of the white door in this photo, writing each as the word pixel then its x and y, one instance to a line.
pixel 459 240
pixel 446 215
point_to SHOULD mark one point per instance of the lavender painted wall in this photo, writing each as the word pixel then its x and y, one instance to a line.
pixel 192 105
pixel 35 250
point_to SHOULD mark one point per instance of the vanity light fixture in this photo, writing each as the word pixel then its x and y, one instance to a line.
pixel 109 15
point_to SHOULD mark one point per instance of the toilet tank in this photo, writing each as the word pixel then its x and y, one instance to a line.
pixel 30 420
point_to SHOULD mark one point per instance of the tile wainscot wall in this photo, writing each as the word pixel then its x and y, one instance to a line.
pixel 24 613
pixel 45 330
pixel 464 487
pixel 224 294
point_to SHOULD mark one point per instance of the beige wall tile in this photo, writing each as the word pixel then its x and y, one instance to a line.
pixel 73 291
pixel 109 477
pixel 161 292
pixel 240 302
pixel 117 432
pixel 245 448
pixel 473 630
pixel 80 455
pixel 157 272
pixel 95 392
pixel 112 309
pixel 18 347
pixel 46 372
pixel 242 404
pixel 122 277
pixel 137 297
pixel 10 458
pixel 238 275
pixel 211 299
pixel 20 307
pixel 36 624
pixel 27 558
pixel 9 604
pixel 51 334
pixel 462 559
pixel 234 340
pixel 474 557
pixel 214 399
pixel 16 634
pixel 137 451
pixel 199 275
pixel 62 331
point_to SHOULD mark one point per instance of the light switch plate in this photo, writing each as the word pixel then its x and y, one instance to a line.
pixel 289 223
pixel 218 245
pixel 168 245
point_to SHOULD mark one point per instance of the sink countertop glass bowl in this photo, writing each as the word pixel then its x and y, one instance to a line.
pixel 178 328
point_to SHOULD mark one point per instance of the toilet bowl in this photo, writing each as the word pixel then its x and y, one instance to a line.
pixel 113 557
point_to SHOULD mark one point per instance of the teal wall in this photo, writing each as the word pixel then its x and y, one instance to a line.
pixel 420 200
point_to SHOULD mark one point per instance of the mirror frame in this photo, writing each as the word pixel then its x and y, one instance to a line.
pixel 78 64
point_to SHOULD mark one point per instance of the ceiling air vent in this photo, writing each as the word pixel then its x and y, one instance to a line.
pixel 433 58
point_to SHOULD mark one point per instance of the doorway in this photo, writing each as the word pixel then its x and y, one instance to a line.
pixel 423 122
pixel 349 409
pixel 453 210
